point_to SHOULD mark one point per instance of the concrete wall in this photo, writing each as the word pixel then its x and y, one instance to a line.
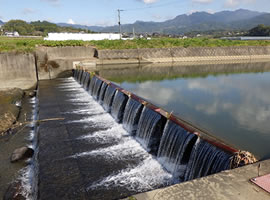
pixel 17 70
pixel 65 57
pixel 183 54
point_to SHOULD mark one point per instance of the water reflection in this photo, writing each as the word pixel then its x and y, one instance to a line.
pixel 230 100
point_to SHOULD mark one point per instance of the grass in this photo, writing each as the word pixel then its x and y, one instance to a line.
pixel 30 44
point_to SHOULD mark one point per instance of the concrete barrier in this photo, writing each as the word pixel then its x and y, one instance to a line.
pixel 64 57
pixel 17 70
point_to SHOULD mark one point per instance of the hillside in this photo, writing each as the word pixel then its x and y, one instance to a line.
pixel 199 21
pixel 37 28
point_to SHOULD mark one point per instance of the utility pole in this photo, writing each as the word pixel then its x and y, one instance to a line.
pixel 119 22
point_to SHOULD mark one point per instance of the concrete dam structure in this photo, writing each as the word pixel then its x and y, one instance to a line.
pixel 104 142
pixel 182 151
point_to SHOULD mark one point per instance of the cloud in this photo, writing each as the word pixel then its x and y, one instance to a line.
pixel 161 18
pixel 153 91
pixel 28 11
pixel 232 3
pixel 148 1
pixel 202 1
pixel 71 21
pixel 235 3
pixel 52 2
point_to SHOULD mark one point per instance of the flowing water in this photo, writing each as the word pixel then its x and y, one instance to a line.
pixel 132 115
pixel 231 101
pixel 112 163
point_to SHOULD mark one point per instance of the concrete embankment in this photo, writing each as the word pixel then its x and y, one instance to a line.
pixel 17 70
pixel 55 62
pixel 196 54
pixel 22 70
pixel 231 184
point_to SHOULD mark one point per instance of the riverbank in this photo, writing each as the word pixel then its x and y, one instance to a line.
pixel 17 134
pixel 10 101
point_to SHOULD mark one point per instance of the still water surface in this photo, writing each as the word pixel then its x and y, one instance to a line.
pixel 232 101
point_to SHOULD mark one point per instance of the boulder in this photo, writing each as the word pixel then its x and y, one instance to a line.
pixel 31 94
pixel 21 154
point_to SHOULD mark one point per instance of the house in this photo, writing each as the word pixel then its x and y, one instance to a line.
pixel 12 34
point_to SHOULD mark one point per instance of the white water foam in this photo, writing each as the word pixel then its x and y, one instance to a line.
pixel 103 120
pixel 149 174
pixel 113 134
pixel 25 178
pixel 146 176
pixel 126 149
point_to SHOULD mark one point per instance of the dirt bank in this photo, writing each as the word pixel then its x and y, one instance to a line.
pixel 10 101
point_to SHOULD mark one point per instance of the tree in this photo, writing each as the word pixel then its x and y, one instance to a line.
pixel 260 30
pixel 22 27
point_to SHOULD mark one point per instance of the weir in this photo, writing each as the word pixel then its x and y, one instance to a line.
pixel 183 150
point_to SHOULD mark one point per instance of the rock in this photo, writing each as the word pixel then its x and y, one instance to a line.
pixel 21 154
pixel 14 192
pixel 32 94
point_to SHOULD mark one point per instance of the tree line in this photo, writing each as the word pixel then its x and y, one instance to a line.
pixel 37 28
pixel 42 28
pixel 260 30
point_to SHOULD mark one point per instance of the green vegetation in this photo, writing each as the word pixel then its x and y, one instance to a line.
pixel 260 30
pixel 8 44
pixel 29 44
pixel 37 28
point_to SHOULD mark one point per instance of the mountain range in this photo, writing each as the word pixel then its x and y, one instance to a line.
pixel 1 23
pixel 241 19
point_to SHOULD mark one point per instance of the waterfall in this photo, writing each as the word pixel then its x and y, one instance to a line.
pixel 96 88
pixel 80 75
pixel 108 98
pixel 75 75
pixel 175 148
pixel 83 77
pixel 92 85
pixel 206 159
pixel 118 106
pixel 181 153
pixel 86 81
pixel 150 129
pixel 102 92
pixel 132 115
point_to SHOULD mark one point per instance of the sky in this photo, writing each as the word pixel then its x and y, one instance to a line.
pixel 104 12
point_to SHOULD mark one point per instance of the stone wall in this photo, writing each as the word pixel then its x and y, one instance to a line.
pixel 17 70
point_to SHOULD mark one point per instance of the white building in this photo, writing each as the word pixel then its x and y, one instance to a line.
pixel 12 34
pixel 82 36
